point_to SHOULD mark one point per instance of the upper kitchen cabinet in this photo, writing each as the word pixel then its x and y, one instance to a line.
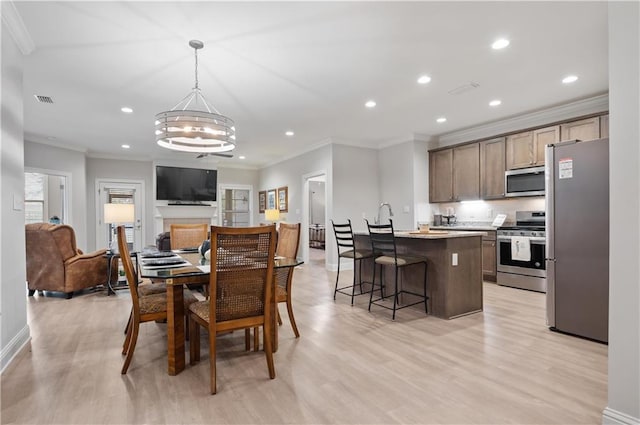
pixel 466 172
pixel 519 150
pixel 441 176
pixel 492 167
pixel 604 126
pixel 587 129
pixel 527 149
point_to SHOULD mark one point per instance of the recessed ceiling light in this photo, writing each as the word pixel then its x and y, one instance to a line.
pixel 125 146
pixel 424 79
pixel 242 157
pixel 495 102
pixel 126 110
pixel 289 133
pixel 570 79
pixel 370 104
pixel 441 120
pixel 501 43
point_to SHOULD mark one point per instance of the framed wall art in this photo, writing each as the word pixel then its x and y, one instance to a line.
pixel 262 201
pixel 272 202
pixel 283 199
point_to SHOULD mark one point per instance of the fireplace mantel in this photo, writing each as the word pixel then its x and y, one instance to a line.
pixel 172 214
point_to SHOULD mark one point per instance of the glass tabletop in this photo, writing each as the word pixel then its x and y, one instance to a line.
pixel 200 266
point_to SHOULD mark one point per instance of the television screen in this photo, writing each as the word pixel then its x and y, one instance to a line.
pixel 185 184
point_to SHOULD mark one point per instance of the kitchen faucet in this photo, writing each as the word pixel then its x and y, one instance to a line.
pixel 377 221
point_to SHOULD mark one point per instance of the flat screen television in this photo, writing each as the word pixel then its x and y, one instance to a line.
pixel 185 185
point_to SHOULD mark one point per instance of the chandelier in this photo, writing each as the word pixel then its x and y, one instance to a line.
pixel 191 130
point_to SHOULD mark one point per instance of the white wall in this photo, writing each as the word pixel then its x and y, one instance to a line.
pixel 37 155
pixel 14 330
pixel 422 209
pixel 98 168
pixel 396 180
pixel 624 270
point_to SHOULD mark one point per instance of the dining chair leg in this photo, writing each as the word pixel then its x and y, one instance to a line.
pixel 292 319
pixel 194 342
pixel 126 328
pixel 279 318
pixel 256 338
pixel 135 326
pixel 127 338
pixel 247 339
pixel 268 351
pixel 212 359
pixel 186 327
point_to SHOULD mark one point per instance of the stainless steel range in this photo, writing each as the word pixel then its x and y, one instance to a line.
pixel 521 251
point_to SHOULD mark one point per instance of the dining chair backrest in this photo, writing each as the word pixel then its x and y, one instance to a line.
pixel 288 240
pixel 242 271
pixel 383 241
pixel 129 270
pixel 344 235
pixel 188 235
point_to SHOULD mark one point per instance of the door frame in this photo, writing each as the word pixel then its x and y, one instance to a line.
pixel 304 237
pixel 124 184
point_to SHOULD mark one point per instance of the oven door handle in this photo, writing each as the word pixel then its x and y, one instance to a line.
pixel 532 239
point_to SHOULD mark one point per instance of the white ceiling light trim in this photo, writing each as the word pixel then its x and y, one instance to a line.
pixel 190 130
pixel 570 79
pixel 424 79
pixel 495 102
pixel 370 104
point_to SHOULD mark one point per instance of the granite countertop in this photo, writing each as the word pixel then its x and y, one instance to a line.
pixel 413 234
pixel 466 226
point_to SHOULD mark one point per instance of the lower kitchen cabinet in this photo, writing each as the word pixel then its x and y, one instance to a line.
pixel 489 256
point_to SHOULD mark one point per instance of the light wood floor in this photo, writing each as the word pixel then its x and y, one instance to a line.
pixel 349 366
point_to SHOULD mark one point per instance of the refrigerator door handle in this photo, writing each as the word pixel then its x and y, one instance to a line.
pixel 551 292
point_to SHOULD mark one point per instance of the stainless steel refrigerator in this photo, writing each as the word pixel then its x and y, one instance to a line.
pixel 577 225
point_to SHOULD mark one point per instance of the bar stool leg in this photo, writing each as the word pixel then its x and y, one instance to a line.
pixel 425 288
pixel 335 291
pixel 373 283
pixel 353 287
pixel 395 296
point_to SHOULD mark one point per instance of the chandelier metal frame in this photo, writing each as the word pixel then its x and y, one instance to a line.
pixel 191 130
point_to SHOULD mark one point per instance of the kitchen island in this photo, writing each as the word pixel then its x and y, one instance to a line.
pixel 453 290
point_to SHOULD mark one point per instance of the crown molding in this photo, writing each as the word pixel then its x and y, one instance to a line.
pixel 55 144
pixel 295 154
pixel 587 106
pixel 12 20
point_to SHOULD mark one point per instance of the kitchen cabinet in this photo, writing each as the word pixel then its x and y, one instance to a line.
pixel 541 138
pixel 519 150
pixel 587 129
pixel 604 126
pixel 492 167
pixel 466 172
pixel 489 258
pixel 527 149
pixel 441 176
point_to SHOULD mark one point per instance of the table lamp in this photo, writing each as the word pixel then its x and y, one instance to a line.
pixel 115 214
pixel 272 215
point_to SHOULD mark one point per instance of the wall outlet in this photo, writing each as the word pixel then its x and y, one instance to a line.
pixel 454 259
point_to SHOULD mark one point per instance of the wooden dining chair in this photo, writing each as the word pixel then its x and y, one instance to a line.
pixel 288 244
pixel 144 308
pixel 188 235
pixel 240 288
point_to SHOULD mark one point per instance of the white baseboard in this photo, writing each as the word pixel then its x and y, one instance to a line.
pixel 15 346
pixel 613 417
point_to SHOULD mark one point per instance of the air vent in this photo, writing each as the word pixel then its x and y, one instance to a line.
pixel 464 88
pixel 43 99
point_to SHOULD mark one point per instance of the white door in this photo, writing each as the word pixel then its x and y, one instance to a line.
pixel 125 192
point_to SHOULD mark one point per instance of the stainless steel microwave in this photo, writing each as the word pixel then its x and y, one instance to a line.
pixel 524 182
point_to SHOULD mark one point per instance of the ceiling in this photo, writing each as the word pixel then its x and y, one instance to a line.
pixel 301 66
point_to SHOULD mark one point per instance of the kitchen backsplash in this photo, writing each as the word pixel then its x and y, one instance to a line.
pixel 485 211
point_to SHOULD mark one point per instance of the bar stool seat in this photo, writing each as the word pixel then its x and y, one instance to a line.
pixel 383 243
pixel 344 240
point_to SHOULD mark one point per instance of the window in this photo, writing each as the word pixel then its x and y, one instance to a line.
pixel 34 195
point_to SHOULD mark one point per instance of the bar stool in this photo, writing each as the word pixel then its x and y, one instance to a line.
pixel 344 240
pixel 383 243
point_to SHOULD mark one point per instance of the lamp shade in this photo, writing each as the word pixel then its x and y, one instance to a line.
pixel 119 213
pixel 272 215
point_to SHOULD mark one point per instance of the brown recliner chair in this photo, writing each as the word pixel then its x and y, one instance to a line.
pixel 54 263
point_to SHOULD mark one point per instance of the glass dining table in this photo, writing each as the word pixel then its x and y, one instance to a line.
pixel 195 272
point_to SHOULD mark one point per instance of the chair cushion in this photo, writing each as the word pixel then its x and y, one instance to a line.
pixel 157 303
pixel 281 294
pixel 402 260
pixel 148 288
pixel 227 308
pixel 357 254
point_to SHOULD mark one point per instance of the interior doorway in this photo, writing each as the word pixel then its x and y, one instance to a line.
pixel 314 217
pixel 46 196
pixel 120 192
